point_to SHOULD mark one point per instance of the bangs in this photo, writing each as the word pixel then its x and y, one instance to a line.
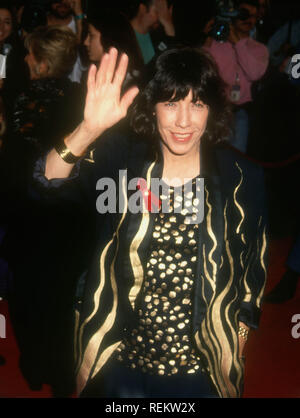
pixel 176 92
pixel 174 80
pixel 182 92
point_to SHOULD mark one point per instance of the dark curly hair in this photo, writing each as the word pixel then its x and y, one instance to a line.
pixel 171 77
pixel 116 31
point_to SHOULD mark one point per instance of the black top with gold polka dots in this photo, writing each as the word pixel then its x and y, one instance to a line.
pixel 161 342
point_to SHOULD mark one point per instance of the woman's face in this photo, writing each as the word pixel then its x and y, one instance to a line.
pixel 6 26
pixel 93 44
pixel 181 125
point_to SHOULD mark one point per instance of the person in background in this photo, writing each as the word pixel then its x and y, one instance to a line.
pixel 51 52
pixel 50 104
pixel 241 61
pixel 13 76
pixel 69 13
pixel 31 18
pixel 286 38
pixel 153 26
pixel 42 106
pixel 109 28
pixel 264 26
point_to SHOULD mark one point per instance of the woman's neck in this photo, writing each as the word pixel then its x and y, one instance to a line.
pixel 178 169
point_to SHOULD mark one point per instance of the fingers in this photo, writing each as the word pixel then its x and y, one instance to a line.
pixel 128 98
pixel 111 65
pixel 107 72
pixel 120 72
pixel 101 73
pixel 91 78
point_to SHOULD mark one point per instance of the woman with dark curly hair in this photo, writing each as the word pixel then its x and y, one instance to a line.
pixel 178 272
pixel 109 28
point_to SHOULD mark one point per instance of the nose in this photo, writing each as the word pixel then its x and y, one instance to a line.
pixel 183 116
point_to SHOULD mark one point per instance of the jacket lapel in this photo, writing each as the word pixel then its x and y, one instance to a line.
pixel 211 235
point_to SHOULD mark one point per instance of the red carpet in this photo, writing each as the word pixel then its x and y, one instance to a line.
pixel 272 354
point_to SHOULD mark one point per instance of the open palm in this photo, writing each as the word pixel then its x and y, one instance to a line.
pixel 104 106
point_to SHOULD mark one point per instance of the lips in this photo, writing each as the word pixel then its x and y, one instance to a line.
pixel 182 137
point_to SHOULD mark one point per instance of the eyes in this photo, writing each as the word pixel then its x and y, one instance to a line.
pixel 198 105
pixel 6 22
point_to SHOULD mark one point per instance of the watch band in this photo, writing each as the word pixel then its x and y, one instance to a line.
pixel 79 17
pixel 64 152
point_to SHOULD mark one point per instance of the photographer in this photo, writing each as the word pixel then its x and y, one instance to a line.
pixel 241 61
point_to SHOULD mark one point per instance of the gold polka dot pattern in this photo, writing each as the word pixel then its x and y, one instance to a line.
pixel 161 342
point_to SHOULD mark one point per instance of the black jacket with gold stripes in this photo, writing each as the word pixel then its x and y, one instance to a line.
pixel 231 265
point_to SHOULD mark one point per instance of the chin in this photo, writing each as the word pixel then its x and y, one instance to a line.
pixel 182 149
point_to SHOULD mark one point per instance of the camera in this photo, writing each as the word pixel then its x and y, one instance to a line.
pixel 226 14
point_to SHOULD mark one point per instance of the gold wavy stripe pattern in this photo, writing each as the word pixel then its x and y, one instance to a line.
pixel 243 238
pixel 226 385
pixel 236 363
pixel 214 240
pixel 207 276
pixel 203 292
pixel 247 297
pixel 105 356
pixel 210 365
pixel 236 202
pixel 95 342
pixel 207 326
pixel 237 360
pixel 97 296
pixel 241 260
pixel 136 264
pixel 215 345
pixel 76 325
pixel 262 254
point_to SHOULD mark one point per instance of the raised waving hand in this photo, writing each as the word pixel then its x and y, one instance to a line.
pixel 104 106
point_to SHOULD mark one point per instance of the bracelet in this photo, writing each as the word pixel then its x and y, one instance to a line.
pixel 79 17
pixel 243 332
pixel 64 152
